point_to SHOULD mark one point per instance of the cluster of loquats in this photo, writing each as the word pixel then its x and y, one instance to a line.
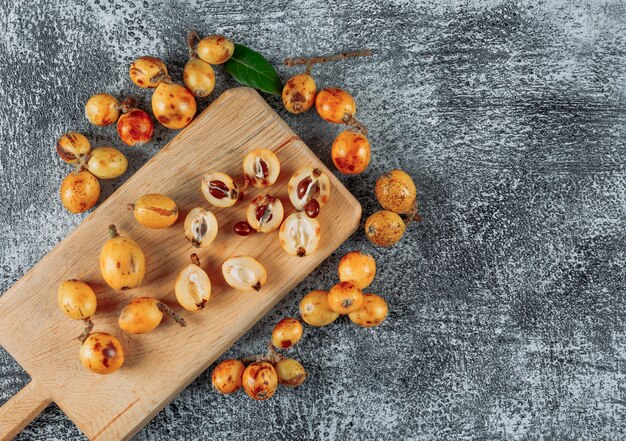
pixel 173 105
pixel 351 149
pixel 123 267
pixel 260 375
pixel 134 126
pixel 356 272
pixel 396 192
pixel 80 190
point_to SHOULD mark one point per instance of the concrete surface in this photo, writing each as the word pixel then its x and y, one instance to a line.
pixel 507 302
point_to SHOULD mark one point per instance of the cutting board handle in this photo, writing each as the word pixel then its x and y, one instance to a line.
pixel 21 409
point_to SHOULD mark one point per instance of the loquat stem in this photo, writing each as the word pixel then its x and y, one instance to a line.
pixel 131 207
pixel 127 105
pixel 81 164
pixel 87 330
pixel 414 215
pixel 351 121
pixel 251 359
pixel 161 77
pixel 271 356
pixel 192 37
pixel 113 231
pixel 325 59
pixel 307 69
pixel 171 314
pixel 195 259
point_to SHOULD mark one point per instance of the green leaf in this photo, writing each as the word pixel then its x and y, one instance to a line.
pixel 252 69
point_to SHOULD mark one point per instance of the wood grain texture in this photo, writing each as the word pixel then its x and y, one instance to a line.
pixel 22 408
pixel 162 363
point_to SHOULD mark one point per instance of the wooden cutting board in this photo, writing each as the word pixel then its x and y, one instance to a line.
pixel 160 364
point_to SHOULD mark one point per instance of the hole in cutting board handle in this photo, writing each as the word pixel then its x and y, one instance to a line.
pixel 21 409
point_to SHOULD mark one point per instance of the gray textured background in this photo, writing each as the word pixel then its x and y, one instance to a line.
pixel 507 303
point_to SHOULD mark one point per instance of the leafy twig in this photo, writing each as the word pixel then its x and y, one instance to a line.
pixel 325 59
